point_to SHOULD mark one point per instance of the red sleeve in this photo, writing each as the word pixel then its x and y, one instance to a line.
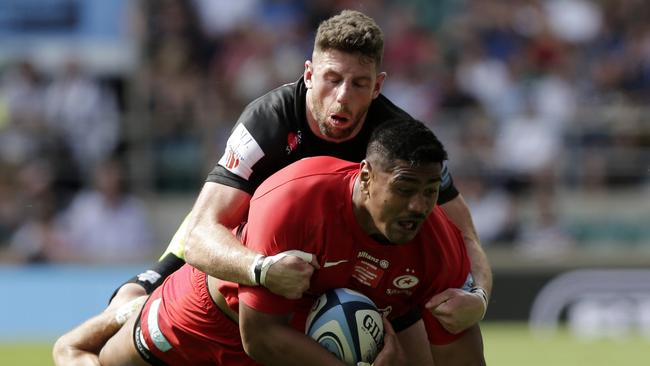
pixel 272 228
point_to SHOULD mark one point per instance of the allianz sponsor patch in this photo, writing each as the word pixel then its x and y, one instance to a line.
pixel 242 152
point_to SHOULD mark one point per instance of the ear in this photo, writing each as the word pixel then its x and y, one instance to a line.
pixel 308 73
pixel 365 172
pixel 381 77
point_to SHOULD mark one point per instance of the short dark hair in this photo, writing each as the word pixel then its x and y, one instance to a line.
pixel 407 140
pixel 353 32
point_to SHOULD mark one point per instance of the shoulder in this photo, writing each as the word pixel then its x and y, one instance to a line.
pixel 448 239
pixel 383 109
pixel 277 106
pixel 306 176
pixel 269 119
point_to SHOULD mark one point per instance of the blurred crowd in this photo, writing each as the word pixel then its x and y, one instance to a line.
pixel 531 97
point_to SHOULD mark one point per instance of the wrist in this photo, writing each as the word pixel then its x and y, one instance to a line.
pixel 482 294
pixel 255 271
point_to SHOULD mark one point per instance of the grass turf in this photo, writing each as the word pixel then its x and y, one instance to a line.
pixel 513 345
pixel 505 345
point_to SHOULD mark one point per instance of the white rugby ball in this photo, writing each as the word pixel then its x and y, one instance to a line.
pixel 348 324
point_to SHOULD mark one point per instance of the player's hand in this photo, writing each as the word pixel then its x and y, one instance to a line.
pixel 457 309
pixel 289 273
pixel 126 293
pixel 392 353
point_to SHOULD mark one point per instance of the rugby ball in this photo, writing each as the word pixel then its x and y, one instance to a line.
pixel 348 324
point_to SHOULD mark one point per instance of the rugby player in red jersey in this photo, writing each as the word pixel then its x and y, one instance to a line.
pixel 374 227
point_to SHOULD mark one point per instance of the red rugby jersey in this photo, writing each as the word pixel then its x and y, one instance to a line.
pixel 308 206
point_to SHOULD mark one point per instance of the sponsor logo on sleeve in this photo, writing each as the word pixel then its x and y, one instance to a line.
pixel 242 152
pixel 149 276
pixel 293 140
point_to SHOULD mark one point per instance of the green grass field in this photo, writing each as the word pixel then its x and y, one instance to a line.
pixel 505 345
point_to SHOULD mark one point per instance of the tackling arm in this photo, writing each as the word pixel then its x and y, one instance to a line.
pixel 458 310
pixel 212 248
pixel 459 214
pixel 210 245
pixel 81 345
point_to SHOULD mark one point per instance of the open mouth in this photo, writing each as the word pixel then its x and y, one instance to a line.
pixel 339 120
pixel 408 225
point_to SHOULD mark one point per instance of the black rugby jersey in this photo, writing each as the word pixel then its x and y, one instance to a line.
pixel 272 132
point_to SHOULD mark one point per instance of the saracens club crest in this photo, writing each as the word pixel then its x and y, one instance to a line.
pixel 407 280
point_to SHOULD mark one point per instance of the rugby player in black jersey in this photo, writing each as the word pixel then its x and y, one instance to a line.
pixel 331 110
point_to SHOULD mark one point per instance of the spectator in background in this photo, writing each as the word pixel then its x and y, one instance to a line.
pixel 171 86
pixel 526 149
pixel 106 223
pixel 9 206
pixel 38 175
pixel 22 125
pixel 39 238
pixel 84 114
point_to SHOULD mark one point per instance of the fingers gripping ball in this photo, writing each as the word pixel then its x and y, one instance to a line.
pixel 348 324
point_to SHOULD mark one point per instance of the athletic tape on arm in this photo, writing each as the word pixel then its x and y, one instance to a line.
pixel 269 261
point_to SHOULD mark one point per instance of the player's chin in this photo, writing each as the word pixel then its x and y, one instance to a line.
pixel 399 235
pixel 338 134
pixel 337 130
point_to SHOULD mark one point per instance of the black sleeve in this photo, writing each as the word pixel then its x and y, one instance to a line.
pixel 155 275
pixel 223 176
pixel 447 189
pixel 406 320
pixel 257 145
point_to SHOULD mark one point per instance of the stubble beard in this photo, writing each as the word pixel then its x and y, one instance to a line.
pixel 326 129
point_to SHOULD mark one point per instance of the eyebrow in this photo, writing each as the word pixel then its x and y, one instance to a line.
pixel 401 178
pixel 330 72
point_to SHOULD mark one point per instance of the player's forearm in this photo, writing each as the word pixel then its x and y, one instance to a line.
pixel 459 214
pixel 481 270
pixel 210 245
pixel 281 345
pixel 214 250
pixel 81 345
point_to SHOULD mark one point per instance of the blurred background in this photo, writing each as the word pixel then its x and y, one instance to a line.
pixel 113 112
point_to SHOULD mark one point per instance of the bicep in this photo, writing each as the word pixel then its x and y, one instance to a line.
pixel 224 204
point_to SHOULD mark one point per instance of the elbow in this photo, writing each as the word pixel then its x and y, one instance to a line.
pixel 189 252
pixel 61 352
pixel 194 255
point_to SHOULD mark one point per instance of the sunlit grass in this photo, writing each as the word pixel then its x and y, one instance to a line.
pixel 513 345
pixel 505 345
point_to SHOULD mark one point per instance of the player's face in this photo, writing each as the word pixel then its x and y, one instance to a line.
pixel 400 199
pixel 340 87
